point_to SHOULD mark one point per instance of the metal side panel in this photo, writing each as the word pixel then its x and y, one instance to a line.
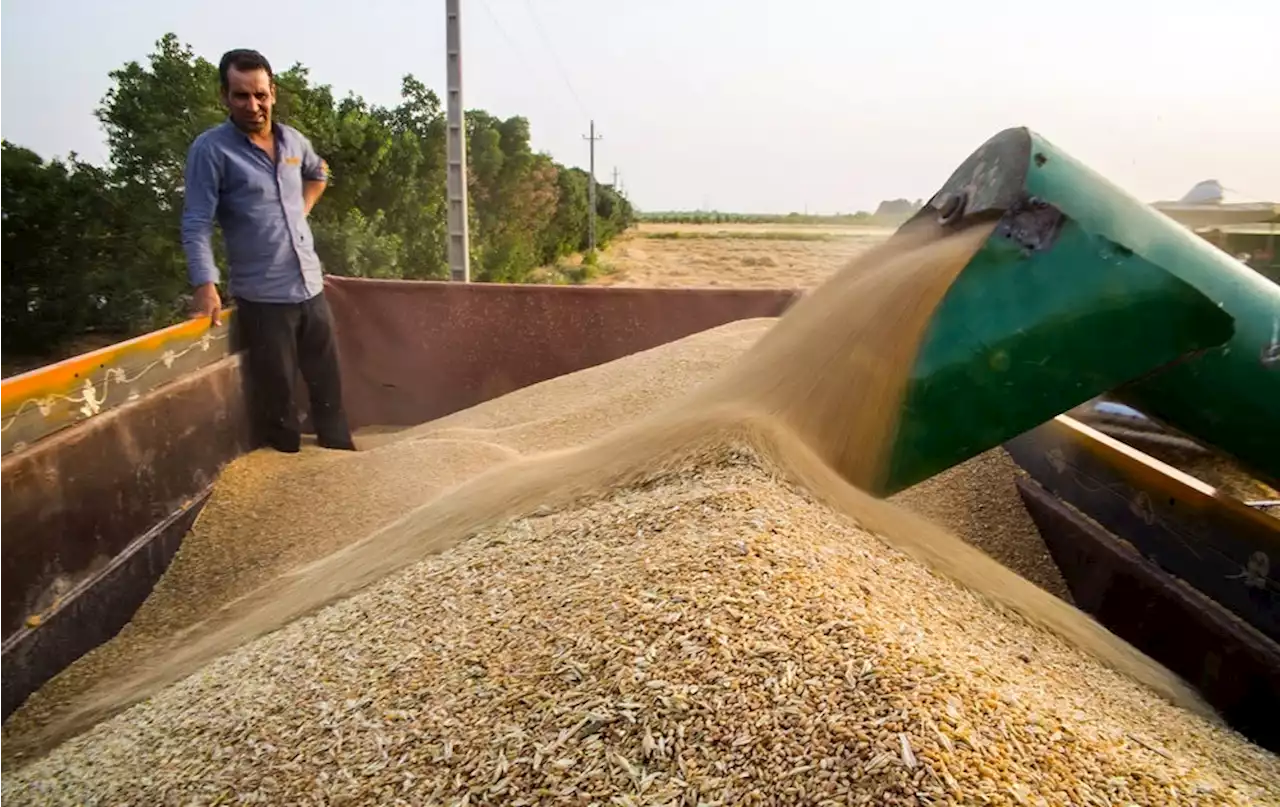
pixel 94 513
pixel 94 611
pixel 1236 669
pixel 47 400
pixel 413 351
pixel 1224 549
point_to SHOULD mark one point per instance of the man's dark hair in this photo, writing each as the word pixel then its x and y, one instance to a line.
pixel 244 60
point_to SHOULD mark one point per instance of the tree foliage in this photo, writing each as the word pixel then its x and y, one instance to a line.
pixel 95 248
pixel 889 214
pixel 720 217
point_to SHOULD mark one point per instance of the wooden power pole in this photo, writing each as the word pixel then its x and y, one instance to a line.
pixel 456 149
pixel 591 191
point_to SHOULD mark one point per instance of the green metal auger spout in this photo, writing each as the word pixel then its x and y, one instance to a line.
pixel 1082 290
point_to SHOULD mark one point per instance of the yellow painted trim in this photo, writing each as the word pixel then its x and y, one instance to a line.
pixel 1137 458
pixel 87 379
pixel 1150 474
pixel 65 376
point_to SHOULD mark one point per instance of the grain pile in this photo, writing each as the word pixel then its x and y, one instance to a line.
pixel 676 626
pixel 708 636
pixel 977 500
pixel 271 512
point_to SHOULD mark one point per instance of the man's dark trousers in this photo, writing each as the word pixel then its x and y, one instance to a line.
pixel 281 339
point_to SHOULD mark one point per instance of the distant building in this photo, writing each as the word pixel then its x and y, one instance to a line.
pixel 1209 204
pixel 898 208
pixel 1248 230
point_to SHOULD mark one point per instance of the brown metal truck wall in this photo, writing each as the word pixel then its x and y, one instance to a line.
pixel 93 514
pixel 412 351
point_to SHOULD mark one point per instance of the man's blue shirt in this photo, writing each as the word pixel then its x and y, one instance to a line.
pixel 259 205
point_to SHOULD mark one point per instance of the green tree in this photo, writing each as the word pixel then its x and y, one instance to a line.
pixel 48 274
pixel 97 249
pixel 151 114
pixel 568 230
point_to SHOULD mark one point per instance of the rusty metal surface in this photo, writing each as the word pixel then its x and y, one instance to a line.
pixel 1214 543
pixel 1235 668
pixel 988 183
pixel 414 351
pixel 95 610
pixel 74 501
pixel 44 401
pixel 1032 224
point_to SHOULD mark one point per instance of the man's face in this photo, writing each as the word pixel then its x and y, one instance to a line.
pixel 249 97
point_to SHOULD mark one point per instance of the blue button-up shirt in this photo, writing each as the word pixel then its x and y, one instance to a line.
pixel 260 206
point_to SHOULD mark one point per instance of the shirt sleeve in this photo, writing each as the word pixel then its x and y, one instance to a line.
pixel 314 169
pixel 200 203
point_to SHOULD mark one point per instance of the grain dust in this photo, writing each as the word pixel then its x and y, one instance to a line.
pixel 813 402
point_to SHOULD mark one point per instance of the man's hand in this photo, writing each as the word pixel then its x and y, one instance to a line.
pixel 206 303
pixel 311 192
pixel 313 188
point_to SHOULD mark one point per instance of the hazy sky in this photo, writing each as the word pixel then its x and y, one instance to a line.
pixel 749 105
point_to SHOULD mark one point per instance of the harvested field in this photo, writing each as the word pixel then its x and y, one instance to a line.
pixel 741 256
pixel 693 606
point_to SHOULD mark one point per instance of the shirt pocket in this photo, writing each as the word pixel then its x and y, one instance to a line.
pixel 289 174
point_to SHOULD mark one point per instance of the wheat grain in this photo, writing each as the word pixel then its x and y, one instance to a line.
pixel 710 635
pixel 271 512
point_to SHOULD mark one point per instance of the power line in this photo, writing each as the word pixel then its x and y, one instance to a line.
pixel 528 63
pixel 564 75
pixel 520 53
pixel 555 58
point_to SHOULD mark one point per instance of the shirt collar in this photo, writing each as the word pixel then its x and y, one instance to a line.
pixel 276 131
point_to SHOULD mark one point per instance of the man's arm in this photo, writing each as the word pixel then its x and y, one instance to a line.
pixel 199 207
pixel 311 191
pixel 315 176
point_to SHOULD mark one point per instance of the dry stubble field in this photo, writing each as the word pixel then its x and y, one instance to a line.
pixel 734 255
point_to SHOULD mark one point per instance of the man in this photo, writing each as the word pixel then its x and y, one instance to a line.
pixel 260 180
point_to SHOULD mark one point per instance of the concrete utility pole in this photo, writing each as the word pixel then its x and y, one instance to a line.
pixel 615 177
pixel 591 191
pixel 456 149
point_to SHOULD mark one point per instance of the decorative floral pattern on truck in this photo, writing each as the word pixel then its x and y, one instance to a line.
pixel 37 404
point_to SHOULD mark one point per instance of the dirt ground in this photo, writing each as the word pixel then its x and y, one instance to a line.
pixel 733 255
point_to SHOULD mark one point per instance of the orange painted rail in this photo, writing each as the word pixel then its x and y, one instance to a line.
pixel 48 399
